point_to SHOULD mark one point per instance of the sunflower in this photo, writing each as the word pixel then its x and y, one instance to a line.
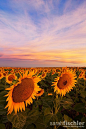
pixel 12 71
pixel 43 75
pixel 39 70
pixel 41 92
pixel 23 92
pixel 53 72
pixel 5 73
pixel 57 70
pixel 82 74
pixel 10 77
pixel 45 70
pixel 1 75
pixel 65 82
pixel 85 77
pixel 1 70
pixel 49 70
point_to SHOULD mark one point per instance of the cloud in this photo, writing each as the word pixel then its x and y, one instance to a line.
pixel 73 56
pixel 51 31
pixel 35 31
pixel 1 55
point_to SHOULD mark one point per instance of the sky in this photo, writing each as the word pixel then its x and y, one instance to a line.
pixel 42 33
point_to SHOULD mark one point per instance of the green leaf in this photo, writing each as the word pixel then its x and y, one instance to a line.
pixel 3 80
pixel 47 118
pixel 1 87
pixel 47 111
pixel 83 119
pixel 33 112
pixel 2 126
pixel 80 107
pixel 3 112
pixel 83 94
pixel 50 118
pixel 1 106
pixel 40 122
pixel 32 116
pixel 47 101
pixel 30 126
pixel 4 119
pixel 67 118
pixel 2 93
pixel 66 102
pixel 59 116
pixel 54 118
pixel 18 120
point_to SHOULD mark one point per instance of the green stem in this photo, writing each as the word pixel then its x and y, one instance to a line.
pixel 56 107
pixel 5 82
pixel 56 104
pixel 84 86
pixel 84 83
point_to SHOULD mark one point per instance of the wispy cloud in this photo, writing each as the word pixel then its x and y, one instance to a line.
pixel 73 56
pixel 38 32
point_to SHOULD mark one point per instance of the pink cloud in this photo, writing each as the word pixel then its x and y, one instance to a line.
pixel 73 56
pixel 56 38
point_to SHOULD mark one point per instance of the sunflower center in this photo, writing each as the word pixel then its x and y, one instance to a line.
pixel 43 74
pixel 11 77
pixel 64 81
pixel 57 70
pixel 4 74
pixel 0 75
pixel 85 76
pixel 23 90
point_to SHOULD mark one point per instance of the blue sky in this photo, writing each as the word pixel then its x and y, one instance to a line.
pixel 42 33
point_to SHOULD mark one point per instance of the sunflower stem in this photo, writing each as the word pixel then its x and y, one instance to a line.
pixel 84 83
pixel 56 106
pixel 5 82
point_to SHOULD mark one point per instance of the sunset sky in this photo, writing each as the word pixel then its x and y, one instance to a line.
pixel 42 33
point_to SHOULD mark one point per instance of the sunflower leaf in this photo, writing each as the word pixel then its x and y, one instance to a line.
pixel 47 118
pixel 59 116
pixel 32 116
pixel 2 93
pixel 80 107
pixel 2 126
pixel 30 126
pixel 4 119
pixel 67 118
pixel 3 111
pixel 40 122
pixel 47 111
pixel 83 94
pixel 18 120
pixel 1 87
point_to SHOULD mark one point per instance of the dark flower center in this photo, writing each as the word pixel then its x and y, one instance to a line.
pixel 64 81
pixel 23 90
pixel 11 77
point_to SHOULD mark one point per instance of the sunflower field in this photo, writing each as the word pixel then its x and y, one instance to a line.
pixel 43 98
